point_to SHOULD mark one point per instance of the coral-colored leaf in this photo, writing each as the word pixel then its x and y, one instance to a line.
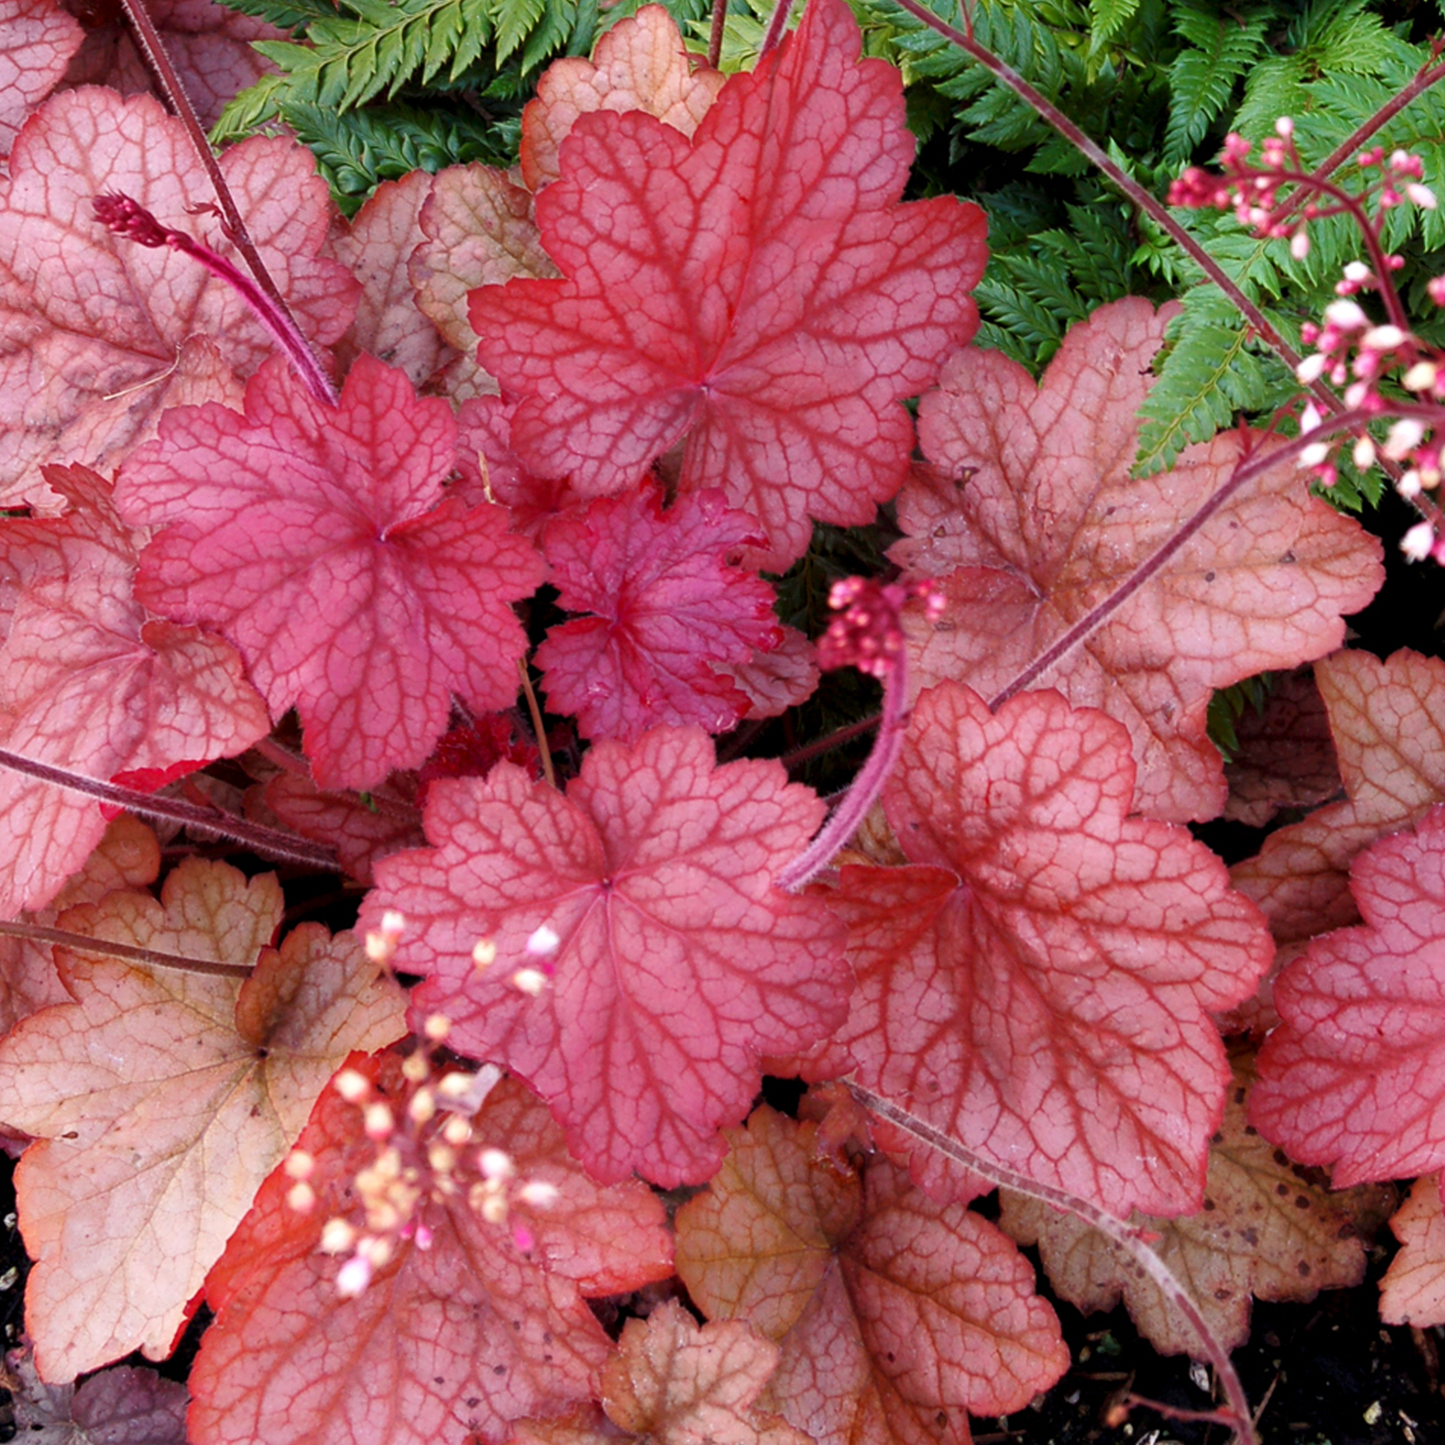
pixel 1039 983
pixel 89 684
pixel 778 679
pixel 1285 757
pixel 1268 1228
pixel 376 247
pixel 679 1383
pixel 447 1344
pixel 123 1406
pixel 161 1099
pixel 98 336
pixel 1034 507
pixel 37 39
pixel 896 1315
pixel 677 963
pixel 1413 1289
pixel 668 605
pixel 1353 1075
pixel 1388 724
pixel 640 64
pixel 759 288
pixel 312 538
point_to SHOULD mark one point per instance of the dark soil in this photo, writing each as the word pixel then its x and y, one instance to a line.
pixel 1325 1373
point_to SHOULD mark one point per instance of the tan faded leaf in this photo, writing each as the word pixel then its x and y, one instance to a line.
pixel 1269 1229
pixel 640 64
pixel 897 1316
pixel 156 1119
pixel 680 1383
pixel 479 231
pixel 1413 1289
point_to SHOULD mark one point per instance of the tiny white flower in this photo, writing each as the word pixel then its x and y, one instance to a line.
pixel 1417 542
pixel 1311 368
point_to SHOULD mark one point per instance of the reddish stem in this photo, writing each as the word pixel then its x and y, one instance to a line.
pixel 149 40
pixel 269 841
pixel 844 820
pixel 83 943
pixel 715 35
pixel 1125 1235
pixel 777 27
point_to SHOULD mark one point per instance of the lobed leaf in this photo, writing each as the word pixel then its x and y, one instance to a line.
pixel 1038 981
pixel 161 1099
pixel 317 540
pixel 677 963
pixel 758 289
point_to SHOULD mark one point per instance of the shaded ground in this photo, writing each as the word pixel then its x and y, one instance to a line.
pixel 1328 1373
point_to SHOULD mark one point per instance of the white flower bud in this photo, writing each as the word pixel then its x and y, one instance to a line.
pixel 1311 368
pixel 1382 338
pixel 1346 314
pixel 1405 436
pixel 1417 542
pixel 1420 377
pixel 1363 455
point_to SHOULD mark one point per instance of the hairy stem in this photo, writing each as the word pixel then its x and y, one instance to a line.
pixel 777 27
pixel 715 35
pixel 1121 1233
pixel 270 842
pixel 84 943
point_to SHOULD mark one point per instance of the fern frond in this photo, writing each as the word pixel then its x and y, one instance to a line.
pixel 1108 18
pixel 1211 373
pixel 1202 80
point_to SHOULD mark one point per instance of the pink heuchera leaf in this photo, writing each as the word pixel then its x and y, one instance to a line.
pixel 448 1343
pixel 896 1315
pixel 778 679
pixel 676 963
pixel 640 64
pixel 1038 982
pixel 376 247
pixel 1413 1289
pixel 89 683
pixel 209 44
pixel 1033 515
pixel 1388 724
pixel 318 542
pixel 98 336
pixel 162 1098
pixel 1352 1076
pixel 669 605
pixel 37 39
pixel 492 471
pixel 758 288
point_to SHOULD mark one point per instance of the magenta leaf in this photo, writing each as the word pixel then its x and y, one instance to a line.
pixel 668 605
pixel 757 287
pixel 318 542
pixel 677 962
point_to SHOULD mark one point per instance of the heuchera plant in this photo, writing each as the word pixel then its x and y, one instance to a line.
pixel 281 496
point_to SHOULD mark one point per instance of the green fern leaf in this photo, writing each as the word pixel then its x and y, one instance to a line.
pixel 1201 81
pixel 515 21
pixel 1211 373
pixel 1109 17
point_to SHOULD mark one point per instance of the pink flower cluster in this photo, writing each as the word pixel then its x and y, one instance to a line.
pixel 1351 350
